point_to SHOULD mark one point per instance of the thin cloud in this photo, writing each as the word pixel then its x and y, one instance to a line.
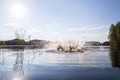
pixel 87 28
pixel 95 36
pixel 54 33
pixel 32 31
pixel 15 25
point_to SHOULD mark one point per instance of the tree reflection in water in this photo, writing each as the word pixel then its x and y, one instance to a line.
pixel 18 66
pixel 2 61
pixel 115 57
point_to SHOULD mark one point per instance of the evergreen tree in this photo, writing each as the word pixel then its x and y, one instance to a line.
pixel 118 33
pixel 114 35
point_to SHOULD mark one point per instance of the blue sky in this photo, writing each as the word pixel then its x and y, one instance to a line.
pixel 60 19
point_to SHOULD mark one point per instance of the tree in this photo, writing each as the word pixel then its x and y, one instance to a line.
pixel 114 35
pixel 20 36
pixel 20 33
pixel 118 33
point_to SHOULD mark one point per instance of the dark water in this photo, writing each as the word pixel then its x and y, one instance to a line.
pixel 36 64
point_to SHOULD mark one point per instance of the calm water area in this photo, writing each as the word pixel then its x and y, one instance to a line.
pixel 39 64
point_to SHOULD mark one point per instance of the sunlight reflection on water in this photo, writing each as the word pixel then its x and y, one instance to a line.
pixel 8 58
pixel 15 64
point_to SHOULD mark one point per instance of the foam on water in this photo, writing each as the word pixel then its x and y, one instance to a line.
pixel 67 46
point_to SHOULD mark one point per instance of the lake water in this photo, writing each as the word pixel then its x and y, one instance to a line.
pixel 38 64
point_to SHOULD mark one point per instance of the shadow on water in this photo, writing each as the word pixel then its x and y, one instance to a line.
pixel 115 57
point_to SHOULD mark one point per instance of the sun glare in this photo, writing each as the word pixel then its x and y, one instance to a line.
pixel 17 79
pixel 18 10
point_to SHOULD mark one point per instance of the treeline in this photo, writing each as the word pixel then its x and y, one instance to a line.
pixel 114 35
pixel 114 39
pixel 43 42
pixel 13 42
pixel 21 42
pixel 97 43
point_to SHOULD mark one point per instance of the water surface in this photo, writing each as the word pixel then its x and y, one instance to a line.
pixel 37 64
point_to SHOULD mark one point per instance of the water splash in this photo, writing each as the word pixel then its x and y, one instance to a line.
pixel 67 46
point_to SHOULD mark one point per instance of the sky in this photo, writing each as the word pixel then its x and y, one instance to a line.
pixel 88 20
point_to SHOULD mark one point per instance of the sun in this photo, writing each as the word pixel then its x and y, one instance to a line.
pixel 18 10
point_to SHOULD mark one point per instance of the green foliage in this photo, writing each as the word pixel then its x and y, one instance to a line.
pixel 118 32
pixel 29 36
pixel 2 42
pixel 19 41
pixel 20 33
pixel 114 35
pixel 20 36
